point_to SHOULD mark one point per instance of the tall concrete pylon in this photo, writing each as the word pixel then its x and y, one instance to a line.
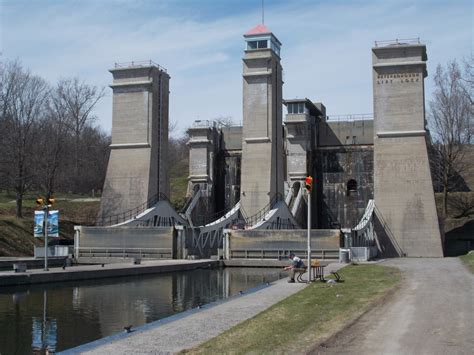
pixel 138 167
pixel 403 188
pixel 262 171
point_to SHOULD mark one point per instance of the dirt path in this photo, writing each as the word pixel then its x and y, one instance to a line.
pixel 431 313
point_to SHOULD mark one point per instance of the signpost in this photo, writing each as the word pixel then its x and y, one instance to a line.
pixel 46 216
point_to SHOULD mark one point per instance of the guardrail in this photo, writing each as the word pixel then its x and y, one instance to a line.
pixel 138 64
pixel 397 41
pixel 152 253
pixel 351 117
pixel 389 232
pixel 257 217
pixel 130 214
pixel 363 235
pixel 280 254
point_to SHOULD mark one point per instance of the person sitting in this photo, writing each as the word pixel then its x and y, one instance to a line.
pixel 297 265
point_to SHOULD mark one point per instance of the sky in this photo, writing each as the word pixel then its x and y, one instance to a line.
pixel 326 46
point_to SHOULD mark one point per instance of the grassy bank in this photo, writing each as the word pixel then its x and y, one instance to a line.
pixel 468 259
pixel 299 322
pixel 16 234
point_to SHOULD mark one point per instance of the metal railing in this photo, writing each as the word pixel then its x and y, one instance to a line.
pixel 389 232
pixel 363 235
pixel 153 253
pixel 203 219
pixel 203 124
pixel 398 41
pixel 257 217
pixel 282 254
pixel 351 117
pixel 139 64
pixel 281 224
pixel 132 213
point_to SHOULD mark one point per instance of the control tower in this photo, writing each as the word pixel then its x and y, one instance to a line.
pixel 403 188
pixel 138 168
pixel 262 171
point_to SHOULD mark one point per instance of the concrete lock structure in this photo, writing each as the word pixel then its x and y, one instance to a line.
pixel 403 186
pixel 138 167
pixel 372 183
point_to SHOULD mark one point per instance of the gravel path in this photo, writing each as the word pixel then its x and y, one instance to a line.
pixel 198 326
pixel 431 313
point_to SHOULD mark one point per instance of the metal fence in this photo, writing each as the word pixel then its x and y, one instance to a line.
pixel 139 64
pixel 281 254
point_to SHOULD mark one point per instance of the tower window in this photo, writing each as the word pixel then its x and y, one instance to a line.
pixel 295 108
pixel 351 187
pixel 257 44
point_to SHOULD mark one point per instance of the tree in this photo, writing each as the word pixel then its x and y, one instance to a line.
pixel 80 99
pixel 224 121
pixel 451 121
pixel 53 137
pixel 23 99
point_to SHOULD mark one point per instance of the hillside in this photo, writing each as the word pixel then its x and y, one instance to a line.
pixel 16 234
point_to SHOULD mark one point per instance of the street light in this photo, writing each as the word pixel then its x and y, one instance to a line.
pixel 41 202
pixel 309 188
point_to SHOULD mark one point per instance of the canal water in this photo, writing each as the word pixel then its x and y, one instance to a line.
pixel 61 316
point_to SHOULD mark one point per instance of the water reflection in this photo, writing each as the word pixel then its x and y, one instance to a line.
pixel 54 317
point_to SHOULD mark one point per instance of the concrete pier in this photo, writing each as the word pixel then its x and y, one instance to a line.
pixel 88 272
pixel 6 263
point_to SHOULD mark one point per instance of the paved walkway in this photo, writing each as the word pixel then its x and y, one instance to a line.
pixel 196 326
pixel 431 313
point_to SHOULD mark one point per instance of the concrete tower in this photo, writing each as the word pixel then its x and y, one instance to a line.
pixel 262 132
pixel 202 147
pixel 403 188
pixel 138 167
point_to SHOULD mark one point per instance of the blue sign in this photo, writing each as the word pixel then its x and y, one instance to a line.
pixel 53 224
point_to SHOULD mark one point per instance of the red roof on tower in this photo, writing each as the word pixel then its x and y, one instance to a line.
pixel 258 30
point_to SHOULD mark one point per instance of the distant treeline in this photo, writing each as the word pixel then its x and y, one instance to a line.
pixel 48 140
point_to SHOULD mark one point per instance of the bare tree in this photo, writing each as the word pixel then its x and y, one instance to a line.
pixel 53 141
pixel 23 98
pixel 224 121
pixel 451 120
pixel 80 99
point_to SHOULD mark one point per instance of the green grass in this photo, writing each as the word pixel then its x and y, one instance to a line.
pixel 299 322
pixel 16 234
pixel 468 260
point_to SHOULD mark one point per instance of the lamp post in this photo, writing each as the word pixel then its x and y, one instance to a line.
pixel 309 188
pixel 46 212
pixel 45 204
pixel 309 235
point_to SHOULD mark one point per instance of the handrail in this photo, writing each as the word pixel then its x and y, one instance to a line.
pixel 129 214
pixel 250 221
pixel 351 117
pixel 389 232
pixel 397 41
pixel 203 219
pixel 138 64
pixel 363 234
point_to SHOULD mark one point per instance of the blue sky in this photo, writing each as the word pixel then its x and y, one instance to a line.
pixel 326 52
